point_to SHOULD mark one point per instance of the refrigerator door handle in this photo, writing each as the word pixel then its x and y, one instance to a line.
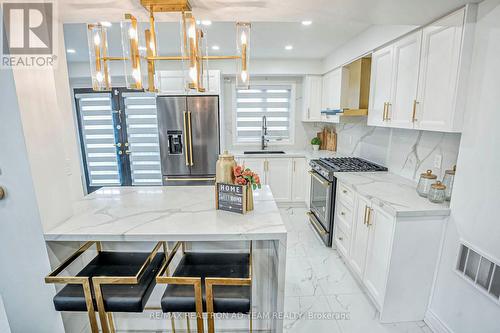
pixel 185 139
pixel 190 139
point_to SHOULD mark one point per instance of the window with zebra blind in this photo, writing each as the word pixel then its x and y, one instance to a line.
pixel 275 102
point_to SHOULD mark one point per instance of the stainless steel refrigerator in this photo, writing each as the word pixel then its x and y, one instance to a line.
pixel 189 138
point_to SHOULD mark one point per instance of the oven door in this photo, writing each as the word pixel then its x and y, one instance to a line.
pixel 321 203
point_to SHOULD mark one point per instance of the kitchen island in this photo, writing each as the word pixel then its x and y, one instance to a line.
pixel 121 217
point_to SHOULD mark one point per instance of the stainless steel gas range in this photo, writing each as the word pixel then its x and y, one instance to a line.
pixel 323 190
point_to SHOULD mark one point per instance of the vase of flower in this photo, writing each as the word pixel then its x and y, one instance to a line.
pixel 245 176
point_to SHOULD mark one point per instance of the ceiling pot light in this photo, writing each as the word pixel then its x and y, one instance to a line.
pixel 306 23
pixel 206 22
pixel 70 51
pixel 106 24
pixel 215 47
pixel 289 47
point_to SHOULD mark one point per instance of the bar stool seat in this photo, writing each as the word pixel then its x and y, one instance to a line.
pixel 227 298
pixel 118 297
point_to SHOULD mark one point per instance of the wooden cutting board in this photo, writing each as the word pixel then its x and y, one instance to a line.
pixel 328 140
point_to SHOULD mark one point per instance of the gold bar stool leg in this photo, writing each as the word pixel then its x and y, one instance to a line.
pixel 188 323
pixel 172 323
pixel 90 307
pixel 111 322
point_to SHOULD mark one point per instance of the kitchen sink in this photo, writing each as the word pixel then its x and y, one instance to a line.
pixel 255 152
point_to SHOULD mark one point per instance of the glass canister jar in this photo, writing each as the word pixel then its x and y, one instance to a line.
pixel 437 192
pixel 448 179
pixel 224 168
pixel 424 184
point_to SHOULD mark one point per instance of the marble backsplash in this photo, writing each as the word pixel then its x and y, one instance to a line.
pixel 405 152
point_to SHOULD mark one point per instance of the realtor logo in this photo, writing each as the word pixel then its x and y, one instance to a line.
pixel 28 36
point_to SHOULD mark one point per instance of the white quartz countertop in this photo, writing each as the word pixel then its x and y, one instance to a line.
pixel 308 154
pixel 167 213
pixel 394 194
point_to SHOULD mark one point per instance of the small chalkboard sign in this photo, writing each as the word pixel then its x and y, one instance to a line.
pixel 231 197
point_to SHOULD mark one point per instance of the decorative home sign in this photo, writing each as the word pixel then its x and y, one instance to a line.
pixel 231 197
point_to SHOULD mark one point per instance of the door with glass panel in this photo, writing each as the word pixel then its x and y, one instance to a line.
pixel 118 137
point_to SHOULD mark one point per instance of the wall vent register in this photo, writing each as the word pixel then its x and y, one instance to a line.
pixel 482 272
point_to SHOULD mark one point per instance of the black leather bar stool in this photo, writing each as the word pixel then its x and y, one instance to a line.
pixel 111 282
pixel 208 282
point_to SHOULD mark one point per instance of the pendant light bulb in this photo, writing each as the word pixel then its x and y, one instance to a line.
pixel 152 47
pixel 132 33
pixel 192 31
pixel 244 76
pixel 243 38
pixel 136 74
pixel 97 39
pixel 193 74
pixel 99 77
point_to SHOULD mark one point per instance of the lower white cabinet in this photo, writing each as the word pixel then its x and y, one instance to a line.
pixel 287 177
pixel 380 231
pixel 393 257
pixel 279 178
pixel 359 237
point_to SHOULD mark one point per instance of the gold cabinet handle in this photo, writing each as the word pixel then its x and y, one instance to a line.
pixel 388 110
pixel 369 218
pixel 365 218
pixel 414 115
pixel 385 112
pixel 2 193
pixel 185 139
pixel 190 139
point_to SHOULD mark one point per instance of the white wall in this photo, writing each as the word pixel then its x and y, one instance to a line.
pixel 23 256
pixel 46 115
pixel 370 39
pixel 475 202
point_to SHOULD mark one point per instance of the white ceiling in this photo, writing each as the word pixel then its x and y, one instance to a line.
pixel 275 23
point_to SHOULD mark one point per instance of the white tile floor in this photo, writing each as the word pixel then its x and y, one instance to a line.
pixel 318 283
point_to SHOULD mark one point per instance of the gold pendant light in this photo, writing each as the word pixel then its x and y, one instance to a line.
pixel 193 56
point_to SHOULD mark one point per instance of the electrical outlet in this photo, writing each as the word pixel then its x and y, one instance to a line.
pixel 438 160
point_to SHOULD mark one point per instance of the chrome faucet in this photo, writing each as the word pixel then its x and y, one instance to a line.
pixel 263 140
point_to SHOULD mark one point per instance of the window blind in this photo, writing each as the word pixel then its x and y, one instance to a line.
pixel 142 133
pixel 272 101
pixel 98 136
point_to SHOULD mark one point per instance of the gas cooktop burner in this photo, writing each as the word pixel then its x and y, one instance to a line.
pixel 351 164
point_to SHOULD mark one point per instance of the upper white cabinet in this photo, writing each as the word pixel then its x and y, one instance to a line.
pixel 420 80
pixel 439 75
pixel 380 87
pixel 334 84
pixel 405 77
pixel 312 87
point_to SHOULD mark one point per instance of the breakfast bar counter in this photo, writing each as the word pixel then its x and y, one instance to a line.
pixel 121 217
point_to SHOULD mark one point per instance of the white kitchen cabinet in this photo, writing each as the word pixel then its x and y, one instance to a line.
pixel 334 83
pixel 380 86
pixel 393 257
pixel 378 252
pixel 420 81
pixel 300 178
pixel 312 87
pixel 287 177
pixel 359 236
pixel 279 178
pixel 404 85
pixel 439 74
pixel 257 165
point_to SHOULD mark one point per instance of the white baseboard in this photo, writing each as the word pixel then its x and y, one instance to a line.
pixel 435 324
